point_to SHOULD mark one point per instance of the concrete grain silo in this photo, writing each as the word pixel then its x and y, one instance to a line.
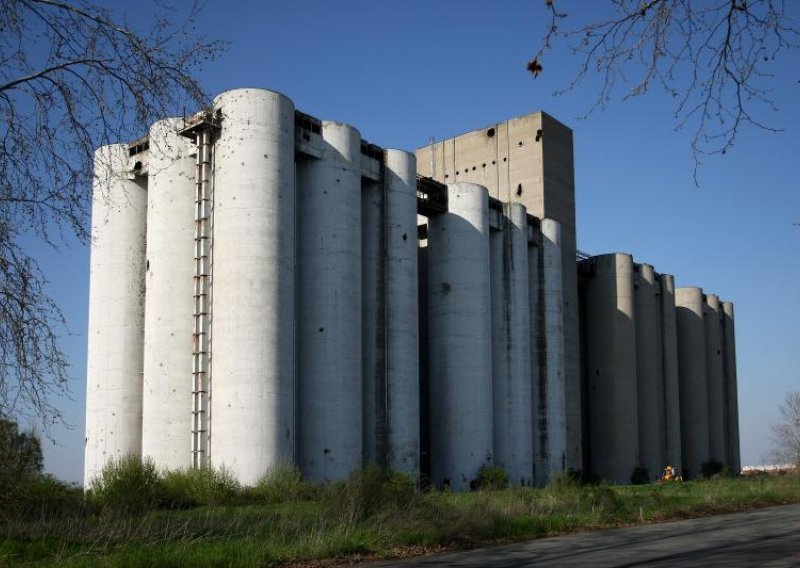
pixel 390 331
pixel 511 347
pixel 253 308
pixel 169 303
pixel 329 298
pixel 650 381
pixel 116 311
pixel 669 371
pixel 459 338
pixel 693 379
pixel 268 287
pixel 717 445
pixel 611 367
pixel 548 355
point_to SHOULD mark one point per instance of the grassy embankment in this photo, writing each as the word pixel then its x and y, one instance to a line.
pixel 141 518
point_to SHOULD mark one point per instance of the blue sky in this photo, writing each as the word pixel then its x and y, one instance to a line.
pixel 405 72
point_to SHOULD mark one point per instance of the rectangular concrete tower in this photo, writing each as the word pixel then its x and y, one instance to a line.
pixel 527 160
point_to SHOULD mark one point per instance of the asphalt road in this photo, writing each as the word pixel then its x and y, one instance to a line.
pixel 765 537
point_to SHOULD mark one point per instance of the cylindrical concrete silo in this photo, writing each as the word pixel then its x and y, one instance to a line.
pixel 402 312
pixel 511 353
pixel 169 308
pixel 731 389
pixel 611 372
pixel 329 296
pixel 252 386
pixel 669 369
pixel 548 364
pixel 650 387
pixel 459 331
pixel 717 446
pixel 116 313
pixel 692 377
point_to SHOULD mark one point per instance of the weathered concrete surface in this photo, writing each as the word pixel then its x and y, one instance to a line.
pixel 329 307
pixel 116 312
pixel 529 160
pixel 693 379
pixel 252 398
pixel 611 368
pixel 766 537
pixel 459 338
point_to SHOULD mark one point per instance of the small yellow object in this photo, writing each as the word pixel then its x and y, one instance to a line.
pixel 669 474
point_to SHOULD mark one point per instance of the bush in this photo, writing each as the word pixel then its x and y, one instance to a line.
pixel 283 483
pixel 186 488
pixel 128 484
pixel 369 491
pixel 491 478
pixel 40 496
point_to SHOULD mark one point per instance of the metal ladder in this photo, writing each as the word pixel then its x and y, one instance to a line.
pixel 201 128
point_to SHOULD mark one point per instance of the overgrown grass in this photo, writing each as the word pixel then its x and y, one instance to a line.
pixel 205 519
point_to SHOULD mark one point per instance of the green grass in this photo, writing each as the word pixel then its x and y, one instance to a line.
pixel 372 515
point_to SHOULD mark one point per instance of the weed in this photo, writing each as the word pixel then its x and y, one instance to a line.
pixel 491 478
pixel 129 484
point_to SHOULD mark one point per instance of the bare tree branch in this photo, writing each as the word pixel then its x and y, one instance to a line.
pixel 74 76
pixel 713 56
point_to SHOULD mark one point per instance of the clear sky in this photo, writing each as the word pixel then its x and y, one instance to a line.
pixel 406 72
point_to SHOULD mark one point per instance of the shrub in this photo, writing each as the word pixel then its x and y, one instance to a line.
pixel 185 488
pixel 283 483
pixel 369 491
pixel 40 496
pixel 491 478
pixel 128 484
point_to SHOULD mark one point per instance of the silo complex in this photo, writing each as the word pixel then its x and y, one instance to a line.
pixel 268 287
